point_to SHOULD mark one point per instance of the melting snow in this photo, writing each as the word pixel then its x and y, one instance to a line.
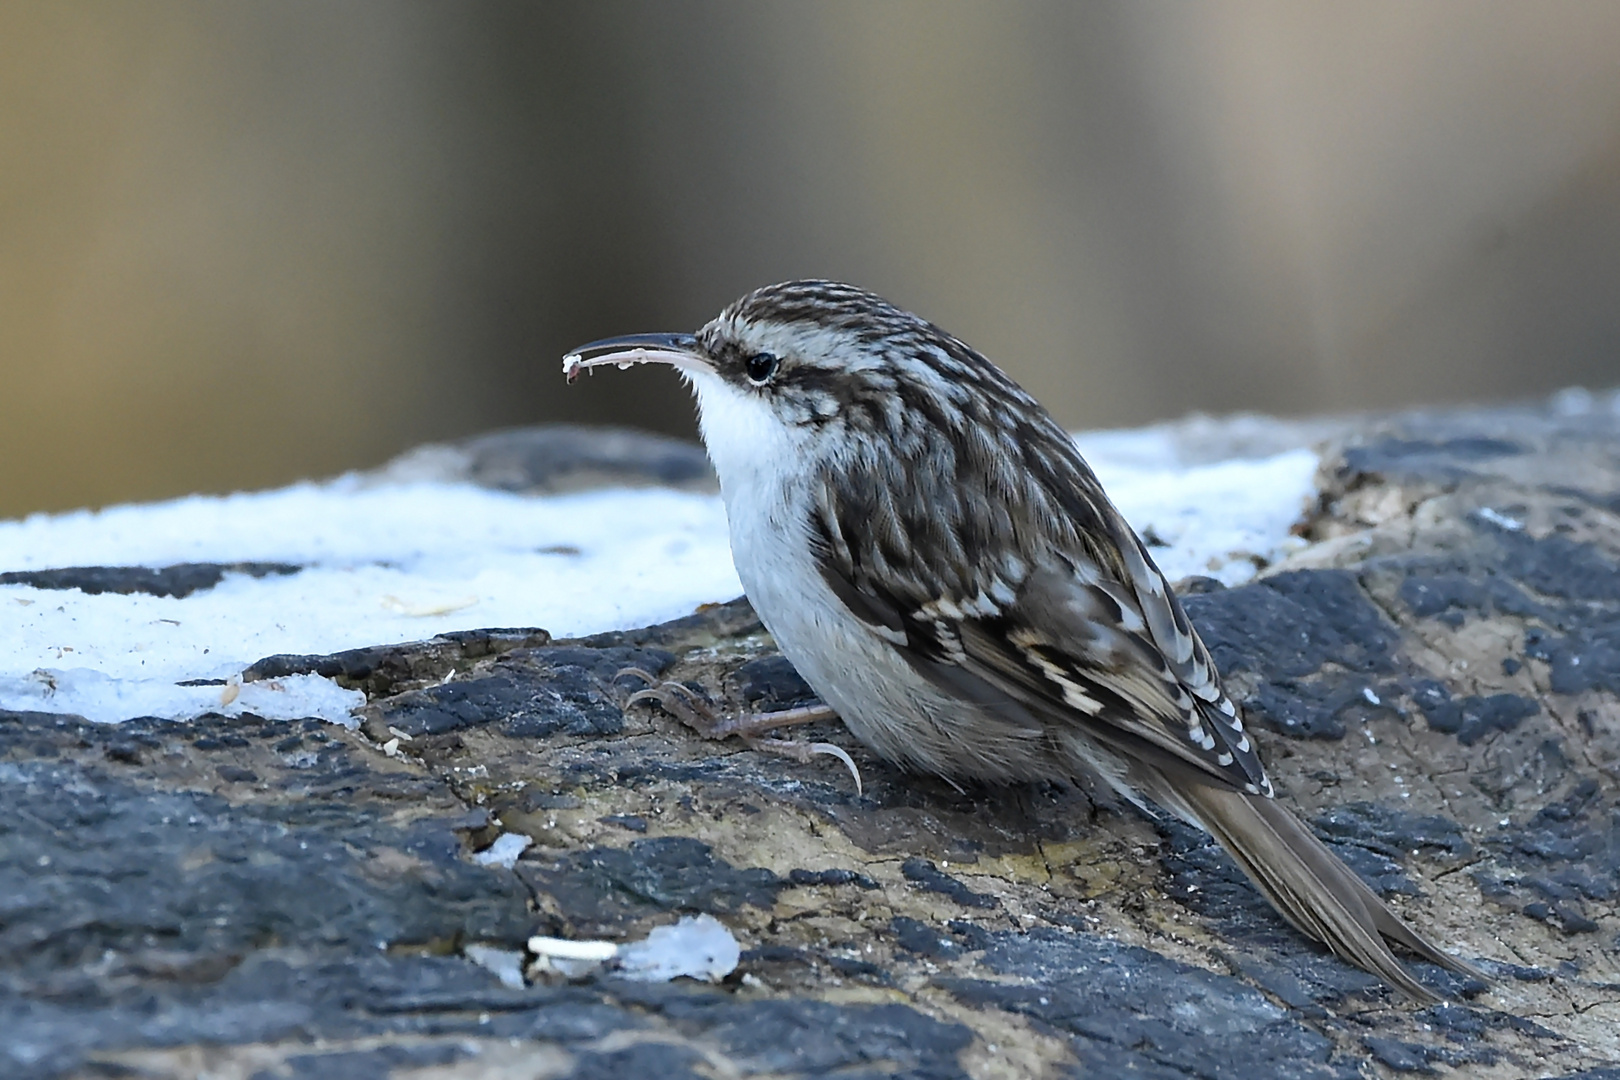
pixel 391 562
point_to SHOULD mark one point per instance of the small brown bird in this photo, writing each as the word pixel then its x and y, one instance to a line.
pixel 928 548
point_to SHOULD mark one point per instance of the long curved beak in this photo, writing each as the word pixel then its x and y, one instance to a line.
pixel 679 350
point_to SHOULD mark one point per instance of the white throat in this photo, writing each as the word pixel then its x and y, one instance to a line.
pixel 764 467
pixel 762 462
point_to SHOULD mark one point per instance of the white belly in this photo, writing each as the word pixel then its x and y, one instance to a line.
pixel 882 699
pixel 859 674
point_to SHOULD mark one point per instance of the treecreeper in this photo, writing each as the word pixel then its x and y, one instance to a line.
pixel 929 549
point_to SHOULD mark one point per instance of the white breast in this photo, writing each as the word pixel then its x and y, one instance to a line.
pixel 765 467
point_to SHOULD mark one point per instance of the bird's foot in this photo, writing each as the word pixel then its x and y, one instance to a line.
pixel 680 701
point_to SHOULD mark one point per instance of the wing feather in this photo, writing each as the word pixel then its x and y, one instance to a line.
pixel 1069 621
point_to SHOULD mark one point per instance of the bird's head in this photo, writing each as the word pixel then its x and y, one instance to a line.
pixel 811 352
pixel 819 371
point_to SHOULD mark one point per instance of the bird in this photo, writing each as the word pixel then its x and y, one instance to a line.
pixel 928 548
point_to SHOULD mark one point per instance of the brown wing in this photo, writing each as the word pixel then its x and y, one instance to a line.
pixel 1061 613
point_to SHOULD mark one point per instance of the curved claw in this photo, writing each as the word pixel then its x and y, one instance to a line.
pixel 677 698
pixel 667 690
pixel 805 751
pixel 833 750
pixel 690 711
pixel 641 673
pixel 685 704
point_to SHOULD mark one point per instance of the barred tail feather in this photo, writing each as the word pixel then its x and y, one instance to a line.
pixel 1321 896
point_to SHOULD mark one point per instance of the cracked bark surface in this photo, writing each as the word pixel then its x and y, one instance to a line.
pixel 1436 675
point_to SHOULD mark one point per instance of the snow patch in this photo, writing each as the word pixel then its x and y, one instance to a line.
pixel 504 852
pixel 506 964
pixel 696 947
pixel 385 562
pixel 1223 520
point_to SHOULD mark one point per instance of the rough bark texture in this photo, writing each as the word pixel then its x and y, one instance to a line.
pixel 1436 676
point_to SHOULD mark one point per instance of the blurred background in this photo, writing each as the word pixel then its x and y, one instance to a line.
pixel 243 243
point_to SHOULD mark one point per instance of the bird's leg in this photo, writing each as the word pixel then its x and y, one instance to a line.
pixel 753 725
pixel 681 702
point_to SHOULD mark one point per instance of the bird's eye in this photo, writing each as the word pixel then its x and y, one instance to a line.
pixel 761 366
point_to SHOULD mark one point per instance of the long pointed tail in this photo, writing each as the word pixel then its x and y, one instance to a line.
pixel 1307 883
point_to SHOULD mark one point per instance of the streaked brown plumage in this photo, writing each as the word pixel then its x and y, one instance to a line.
pixel 930 550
